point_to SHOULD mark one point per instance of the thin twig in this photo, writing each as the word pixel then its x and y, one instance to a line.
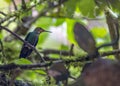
pixel 10 22
pixel 71 50
pixel 50 51
pixel 15 6
pixel 110 53
pixel 72 17
pixel 3 13
pixel 3 53
pixel 34 5
pixel 23 5
pixel 2 49
pixel 7 18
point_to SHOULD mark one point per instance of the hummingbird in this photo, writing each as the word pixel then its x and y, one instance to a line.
pixel 31 38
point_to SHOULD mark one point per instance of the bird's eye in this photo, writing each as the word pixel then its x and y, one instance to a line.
pixel 41 30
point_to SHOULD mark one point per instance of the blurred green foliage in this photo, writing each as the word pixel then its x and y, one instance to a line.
pixel 70 12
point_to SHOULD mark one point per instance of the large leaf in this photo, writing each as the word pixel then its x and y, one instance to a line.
pixel 87 7
pixel 70 25
pixel 100 34
pixel 44 22
pixel 35 77
pixel 70 7
pixel 59 21
pixel 22 61
pixel 8 1
pixel 84 39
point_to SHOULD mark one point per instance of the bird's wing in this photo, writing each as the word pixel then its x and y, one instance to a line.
pixel 36 41
pixel 25 51
pixel 32 38
pixel 27 36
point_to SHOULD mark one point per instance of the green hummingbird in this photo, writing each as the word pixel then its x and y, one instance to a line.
pixel 31 38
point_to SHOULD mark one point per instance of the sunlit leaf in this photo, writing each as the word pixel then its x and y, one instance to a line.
pixel 87 7
pixel 44 22
pixel 8 1
pixel 64 47
pixel 101 35
pixel 59 22
pixel 40 72
pixel 100 32
pixel 37 79
pixel 1 35
pixel 22 61
pixel 70 25
pixel 70 7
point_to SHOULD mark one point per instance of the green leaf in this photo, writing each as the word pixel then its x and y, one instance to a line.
pixel 40 72
pixel 64 47
pixel 87 7
pixel 1 35
pixel 100 32
pixel 42 38
pixel 8 1
pixel 70 34
pixel 59 21
pixel 101 35
pixel 32 74
pixel 44 22
pixel 22 61
pixel 70 7
pixel 35 78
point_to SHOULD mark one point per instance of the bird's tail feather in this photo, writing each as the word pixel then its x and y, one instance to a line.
pixel 25 52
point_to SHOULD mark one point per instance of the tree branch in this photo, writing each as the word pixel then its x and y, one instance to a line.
pixel 3 13
pixel 7 18
pixel 23 5
pixel 43 65
pixel 15 6
pixel 50 51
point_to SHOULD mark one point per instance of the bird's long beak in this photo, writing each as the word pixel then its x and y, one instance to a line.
pixel 47 31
